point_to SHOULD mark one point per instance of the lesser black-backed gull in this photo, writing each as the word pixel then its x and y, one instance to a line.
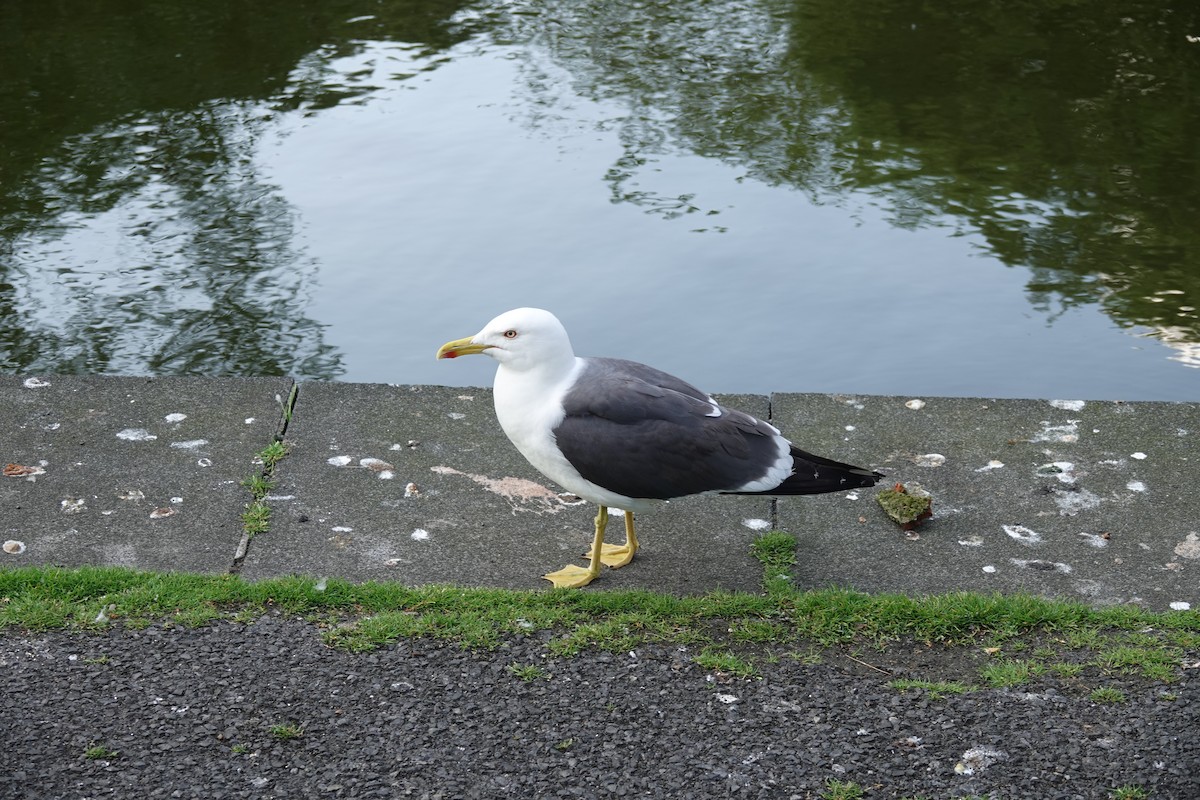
pixel 622 434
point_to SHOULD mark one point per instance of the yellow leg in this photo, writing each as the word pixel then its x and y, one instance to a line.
pixel 572 576
pixel 618 555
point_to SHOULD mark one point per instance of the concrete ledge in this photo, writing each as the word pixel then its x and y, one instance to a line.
pixel 139 472
pixel 419 484
pixel 1087 501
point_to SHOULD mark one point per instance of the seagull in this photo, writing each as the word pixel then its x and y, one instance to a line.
pixel 628 436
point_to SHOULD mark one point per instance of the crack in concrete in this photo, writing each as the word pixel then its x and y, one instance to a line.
pixel 287 409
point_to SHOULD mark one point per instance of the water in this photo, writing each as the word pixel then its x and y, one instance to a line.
pixel 757 196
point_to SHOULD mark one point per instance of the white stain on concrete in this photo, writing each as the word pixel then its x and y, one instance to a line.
pixel 204 462
pixel 341 529
pixel 1180 605
pixel 14 547
pixel 1064 471
pixel 1066 433
pixel 132 495
pixel 73 505
pixel 1136 486
pixel 1068 405
pixel 916 404
pixel 991 465
pixel 852 495
pixel 249 420
pixel 339 461
pixel 136 435
pixel 35 383
pixel 973 541
pixel 456 415
pixel 521 494
pixel 1094 539
pixel 175 417
pixel 1139 456
pixel 989 569
pixel 755 524
pixel 1022 534
pixel 382 469
pixel 1044 566
pixel 1189 547
pixel 190 444
pixel 420 535
pixel 929 460
pixel 377 464
pixel 1072 501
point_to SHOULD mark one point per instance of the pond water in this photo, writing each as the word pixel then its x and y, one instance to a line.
pixel 891 198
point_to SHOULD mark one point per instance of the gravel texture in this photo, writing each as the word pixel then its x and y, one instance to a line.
pixel 189 712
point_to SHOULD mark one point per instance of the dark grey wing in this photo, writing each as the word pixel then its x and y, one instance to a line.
pixel 642 433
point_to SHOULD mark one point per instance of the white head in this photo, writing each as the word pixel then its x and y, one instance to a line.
pixel 521 339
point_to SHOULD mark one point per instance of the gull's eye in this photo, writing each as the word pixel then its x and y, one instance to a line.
pixel 510 334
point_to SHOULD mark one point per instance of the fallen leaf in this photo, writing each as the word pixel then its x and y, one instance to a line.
pixel 20 470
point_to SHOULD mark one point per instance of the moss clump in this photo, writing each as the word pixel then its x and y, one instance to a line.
pixel 908 505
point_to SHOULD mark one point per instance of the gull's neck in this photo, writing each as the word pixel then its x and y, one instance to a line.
pixel 532 396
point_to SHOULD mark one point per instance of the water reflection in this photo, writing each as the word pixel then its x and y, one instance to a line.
pixel 141 232
pixel 137 234
pixel 1065 133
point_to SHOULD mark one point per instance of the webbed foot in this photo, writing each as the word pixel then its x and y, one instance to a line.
pixel 571 576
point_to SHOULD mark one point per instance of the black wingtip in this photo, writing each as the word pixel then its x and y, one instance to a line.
pixel 812 474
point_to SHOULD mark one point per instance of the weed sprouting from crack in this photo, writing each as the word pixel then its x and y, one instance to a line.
pixel 256 518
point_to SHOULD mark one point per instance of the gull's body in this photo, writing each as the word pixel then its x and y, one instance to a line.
pixel 622 434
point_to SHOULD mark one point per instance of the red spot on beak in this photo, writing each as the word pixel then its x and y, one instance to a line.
pixel 450 354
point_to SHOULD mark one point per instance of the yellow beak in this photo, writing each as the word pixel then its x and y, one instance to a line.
pixel 461 347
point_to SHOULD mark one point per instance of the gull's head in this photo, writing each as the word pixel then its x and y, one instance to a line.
pixel 520 339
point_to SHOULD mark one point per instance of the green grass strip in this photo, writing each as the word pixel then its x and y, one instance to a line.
pixel 724 626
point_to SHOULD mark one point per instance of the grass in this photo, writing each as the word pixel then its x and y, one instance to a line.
pixel 1107 695
pixel 1129 793
pixel 841 790
pixel 528 672
pixel 100 752
pixel 730 633
pixel 777 552
pixel 1008 672
pixel 286 731
pixel 935 690
pixel 727 662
